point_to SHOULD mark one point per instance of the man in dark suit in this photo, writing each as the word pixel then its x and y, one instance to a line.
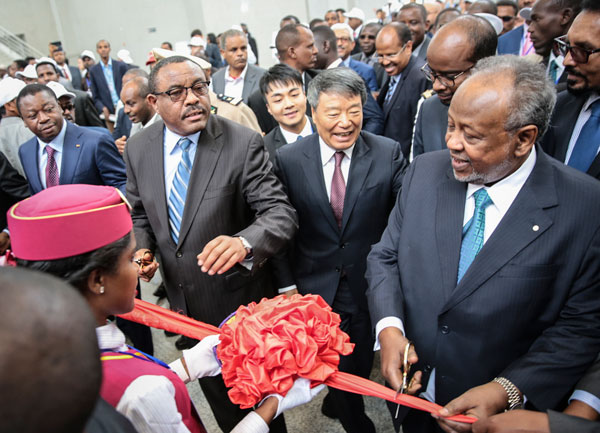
pixel 296 48
pixel 415 17
pixel 106 80
pixel 61 152
pixel 343 184
pixel 400 94
pixel 281 87
pixel 205 198
pixel 367 55
pixel 453 52
pixel 345 45
pixel 574 135
pixel 71 73
pixel 238 79
pixel 510 42
pixel 490 258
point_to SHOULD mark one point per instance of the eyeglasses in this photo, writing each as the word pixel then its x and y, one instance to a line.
pixel 448 80
pixel 67 107
pixel 506 19
pixel 390 56
pixel 199 88
pixel 580 55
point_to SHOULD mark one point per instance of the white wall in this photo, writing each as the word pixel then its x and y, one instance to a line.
pixel 126 23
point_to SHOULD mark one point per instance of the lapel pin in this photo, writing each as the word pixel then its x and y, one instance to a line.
pixel 78 145
pixel 535 228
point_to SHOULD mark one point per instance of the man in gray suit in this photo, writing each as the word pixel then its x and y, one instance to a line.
pixel 203 195
pixel 238 79
pixel 451 55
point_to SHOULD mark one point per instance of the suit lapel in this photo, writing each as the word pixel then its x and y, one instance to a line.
pixel 359 168
pixel 248 83
pixel 208 150
pixel 524 222
pixel 72 148
pixel 156 164
pixel 564 129
pixel 313 171
pixel 387 108
pixel 31 164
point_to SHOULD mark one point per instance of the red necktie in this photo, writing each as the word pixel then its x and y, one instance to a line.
pixel 338 189
pixel 51 168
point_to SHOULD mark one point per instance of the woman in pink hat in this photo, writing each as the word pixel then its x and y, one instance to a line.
pixel 83 234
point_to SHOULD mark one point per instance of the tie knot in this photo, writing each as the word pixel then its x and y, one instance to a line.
pixel 482 199
pixel 595 108
pixel 184 143
pixel 338 157
pixel 50 150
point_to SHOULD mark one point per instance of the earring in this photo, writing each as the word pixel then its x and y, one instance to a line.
pixel 101 290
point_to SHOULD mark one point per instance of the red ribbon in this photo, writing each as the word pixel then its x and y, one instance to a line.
pixel 157 317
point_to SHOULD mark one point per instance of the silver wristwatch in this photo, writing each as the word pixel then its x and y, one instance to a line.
pixel 515 401
pixel 247 246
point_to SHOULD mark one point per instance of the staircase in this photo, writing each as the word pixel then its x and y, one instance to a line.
pixel 13 47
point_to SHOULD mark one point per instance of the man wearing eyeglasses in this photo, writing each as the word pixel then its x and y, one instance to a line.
pixel 366 41
pixel 203 195
pixel 452 53
pixel 507 12
pixel 400 94
pixel 574 136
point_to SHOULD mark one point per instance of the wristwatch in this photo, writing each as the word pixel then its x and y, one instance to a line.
pixel 515 400
pixel 247 246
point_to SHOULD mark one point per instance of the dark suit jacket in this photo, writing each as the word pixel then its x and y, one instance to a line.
pixel 380 74
pixel 99 86
pixel 123 125
pixel 533 287
pixel 85 111
pixel 232 191
pixel 251 80
pixel 399 114
pixel 423 51
pixel 556 140
pixel 88 157
pixel 275 139
pixel 563 423
pixel 213 53
pixel 430 127
pixel 76 77
pixel 13 188
pixel 510 42
pixel 366 72
pixel 322 252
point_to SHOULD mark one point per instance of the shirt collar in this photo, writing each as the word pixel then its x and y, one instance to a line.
pixel 290 137
pixel 151 121
pixel 110 337
pixel 172 138
pixel 504 192
pixel 335 63
pixel 346 62
pixel 594 96
pixel 328 152
pixel 108 65
pixel 241 77
pixel 57 143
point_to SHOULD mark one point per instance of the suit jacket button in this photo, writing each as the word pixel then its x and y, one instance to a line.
pixel 337 269
pixel 179 254
pixel 445 330
pixel 427 368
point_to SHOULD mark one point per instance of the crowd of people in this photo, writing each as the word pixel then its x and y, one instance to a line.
pixel 431 173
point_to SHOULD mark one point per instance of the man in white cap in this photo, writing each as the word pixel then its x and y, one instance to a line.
pixel 356 17
pixel 197 45
pixel 13 131
pixel 88 59
pixel 28 75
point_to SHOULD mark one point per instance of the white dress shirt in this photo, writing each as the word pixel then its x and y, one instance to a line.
pixel 291 137
pixel 328 161
pixel 584 116
pixel 336 63
pixel 234 86
pixel 172 154
pixel 57 145
pixel 503 194
pixel 559 63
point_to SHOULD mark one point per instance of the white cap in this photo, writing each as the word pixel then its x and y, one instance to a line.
pixel 525 13
pixel 161 53
pixel 9 89
pixel 355 13
pixel 45 60
pixel 125 56
pixel 493 20
pixel 87 53
pixel 59 90
pixel 28 72
pixel 197 41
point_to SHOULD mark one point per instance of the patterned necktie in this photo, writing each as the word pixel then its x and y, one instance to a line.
pixel 51 168
pixel 179 188
pixel 338 189
pixel 586 146
pixel 390 92
pixel 553 73
pixel 473 232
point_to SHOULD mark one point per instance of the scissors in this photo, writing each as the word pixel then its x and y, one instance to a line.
pixel 405 370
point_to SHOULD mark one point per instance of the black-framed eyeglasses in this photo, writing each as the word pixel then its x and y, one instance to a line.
pixel 506 19
pixel 580 55
pixel 199 88
pixel 447 80
pixel 67 107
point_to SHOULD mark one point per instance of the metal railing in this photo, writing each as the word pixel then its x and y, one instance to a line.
pixel 13 47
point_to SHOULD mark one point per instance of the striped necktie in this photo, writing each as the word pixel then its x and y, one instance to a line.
pixel 390 92
pixel 179 189
pixel 473 230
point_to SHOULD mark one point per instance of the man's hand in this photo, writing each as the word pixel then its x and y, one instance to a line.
pixel 221 254
pixel 582 410
pixel 522 421
pixel 289 293
pixel 393 343
pixel 4 242
pixel 147 266
pixel 121 142
pixel 480 402
pixel 106 113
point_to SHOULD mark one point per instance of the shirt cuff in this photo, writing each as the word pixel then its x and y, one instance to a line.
pixel 6 231
pixel 587 398
pixel 386 322
pixel 252 423
pixel 287 289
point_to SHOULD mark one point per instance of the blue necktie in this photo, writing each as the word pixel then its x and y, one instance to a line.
pixel 179 188
pixel 586 146
pixel 473 232
pixel 390 92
